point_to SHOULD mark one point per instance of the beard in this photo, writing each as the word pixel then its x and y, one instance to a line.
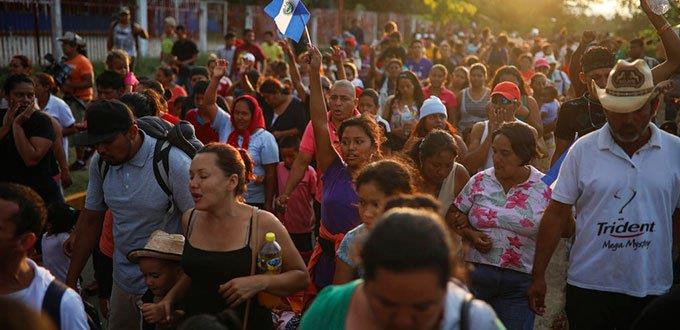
pixel 628 133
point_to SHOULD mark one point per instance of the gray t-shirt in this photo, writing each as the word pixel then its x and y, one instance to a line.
pixel 481 316
pixel 138 205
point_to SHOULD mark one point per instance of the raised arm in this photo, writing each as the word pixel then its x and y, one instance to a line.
pixel 339 58
pixel 325 154
pixel 670 41
pixel 575 64
pixel 32 149
pixel 295 76
pixel 210 99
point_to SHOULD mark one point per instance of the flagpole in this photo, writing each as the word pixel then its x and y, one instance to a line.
pixel 309 39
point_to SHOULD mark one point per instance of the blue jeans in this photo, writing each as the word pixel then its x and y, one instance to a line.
pixel 506 291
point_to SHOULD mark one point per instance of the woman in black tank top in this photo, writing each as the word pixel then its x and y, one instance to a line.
pixel 222 236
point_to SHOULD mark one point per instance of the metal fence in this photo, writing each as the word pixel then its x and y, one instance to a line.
pixel 26 26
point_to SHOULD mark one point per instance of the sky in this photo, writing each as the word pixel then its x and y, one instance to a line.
pixel 607 8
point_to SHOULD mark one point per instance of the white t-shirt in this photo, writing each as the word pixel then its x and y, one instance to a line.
pixel 54 258
pixel 624 207
pixel 380 120
pixel 60 111
pixel 561 81
pixel 71 310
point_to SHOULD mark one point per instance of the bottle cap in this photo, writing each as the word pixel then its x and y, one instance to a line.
pixel 270 237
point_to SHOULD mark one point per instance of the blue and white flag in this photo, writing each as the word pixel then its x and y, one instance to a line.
pixel 554 171
pixel 290 16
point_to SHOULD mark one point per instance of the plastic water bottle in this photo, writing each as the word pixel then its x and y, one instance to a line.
pixel 269 256
pixel 659 7
pixel 269 261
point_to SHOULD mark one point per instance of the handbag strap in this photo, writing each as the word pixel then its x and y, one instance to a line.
pixel 255 247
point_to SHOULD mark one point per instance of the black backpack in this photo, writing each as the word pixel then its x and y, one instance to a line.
pixel 181 136
pixel 52 306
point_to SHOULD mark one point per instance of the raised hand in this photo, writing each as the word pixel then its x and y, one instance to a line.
pixel 338 55
pixel 220 68
pixel 495 119
pixel 9 116
pixel 285 46
pixel 314 59
pixel 587 37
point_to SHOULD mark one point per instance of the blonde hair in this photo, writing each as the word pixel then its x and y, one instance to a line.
pixel 118 54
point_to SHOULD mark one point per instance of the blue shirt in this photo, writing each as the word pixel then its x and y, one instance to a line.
pixel 263 149
pixel 138 205
pixel 421 68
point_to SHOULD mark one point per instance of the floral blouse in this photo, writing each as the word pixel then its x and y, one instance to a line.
pixel 511 220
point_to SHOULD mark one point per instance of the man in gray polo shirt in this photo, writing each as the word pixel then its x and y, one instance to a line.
pixel 129 188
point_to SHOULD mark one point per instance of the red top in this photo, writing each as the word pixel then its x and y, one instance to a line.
pixel 447 97
pixel 204 132
pixel 172 119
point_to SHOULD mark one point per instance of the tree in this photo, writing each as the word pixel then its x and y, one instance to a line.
pixel 447 11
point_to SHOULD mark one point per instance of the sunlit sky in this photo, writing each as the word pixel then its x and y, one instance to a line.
pixel 607 8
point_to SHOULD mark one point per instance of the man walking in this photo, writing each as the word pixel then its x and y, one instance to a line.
pixel 624 182
pixel 22 216
pixel 127 186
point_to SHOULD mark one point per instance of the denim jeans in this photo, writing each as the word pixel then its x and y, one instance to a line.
pixel 506 291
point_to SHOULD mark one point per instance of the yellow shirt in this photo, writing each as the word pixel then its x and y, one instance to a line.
pixel 272 52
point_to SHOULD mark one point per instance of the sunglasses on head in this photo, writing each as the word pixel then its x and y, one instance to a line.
pixel 501 100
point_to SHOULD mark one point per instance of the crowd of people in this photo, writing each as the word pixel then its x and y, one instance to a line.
pixel 467 180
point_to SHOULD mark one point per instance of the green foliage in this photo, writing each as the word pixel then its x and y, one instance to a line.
pixel 447 11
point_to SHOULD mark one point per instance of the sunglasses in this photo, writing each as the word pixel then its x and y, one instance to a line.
pixel 501 100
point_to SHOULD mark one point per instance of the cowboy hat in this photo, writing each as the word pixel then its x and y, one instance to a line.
pixel 161 245
pixel 629 87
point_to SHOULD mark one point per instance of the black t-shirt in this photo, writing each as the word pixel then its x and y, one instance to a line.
pixel 13 168
pixel 295 116
pixel 579 117
pixel 184 49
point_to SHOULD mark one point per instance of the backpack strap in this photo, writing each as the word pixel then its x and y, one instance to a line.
pixel 161 170
pixel 465 312
pixel 103 168
pixel 52 301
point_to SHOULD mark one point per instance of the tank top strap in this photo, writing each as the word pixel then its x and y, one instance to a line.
pixel 190 225
pixel 464 100
pixel 250 226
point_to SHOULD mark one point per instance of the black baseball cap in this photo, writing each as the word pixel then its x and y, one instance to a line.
pixel 105 119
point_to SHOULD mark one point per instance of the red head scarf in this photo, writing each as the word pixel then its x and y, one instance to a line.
pixel 256 122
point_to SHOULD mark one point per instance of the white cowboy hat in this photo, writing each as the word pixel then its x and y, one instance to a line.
pixel 629 87
pixel 161 245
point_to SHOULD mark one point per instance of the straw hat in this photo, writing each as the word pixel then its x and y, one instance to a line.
pixel 629 87
pixel 161 245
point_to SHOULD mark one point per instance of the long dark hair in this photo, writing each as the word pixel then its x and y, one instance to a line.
pixel 61 217
pixel 418 96
pixel 390 176
pixel 511 70
pixel 432 144
pixel 406 239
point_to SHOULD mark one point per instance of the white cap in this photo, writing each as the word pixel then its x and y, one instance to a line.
pixel 432 106
pixel 249 57
pixel 170 21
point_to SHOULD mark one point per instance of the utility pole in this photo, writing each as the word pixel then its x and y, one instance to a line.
pixel 341 16
pixel 55 12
